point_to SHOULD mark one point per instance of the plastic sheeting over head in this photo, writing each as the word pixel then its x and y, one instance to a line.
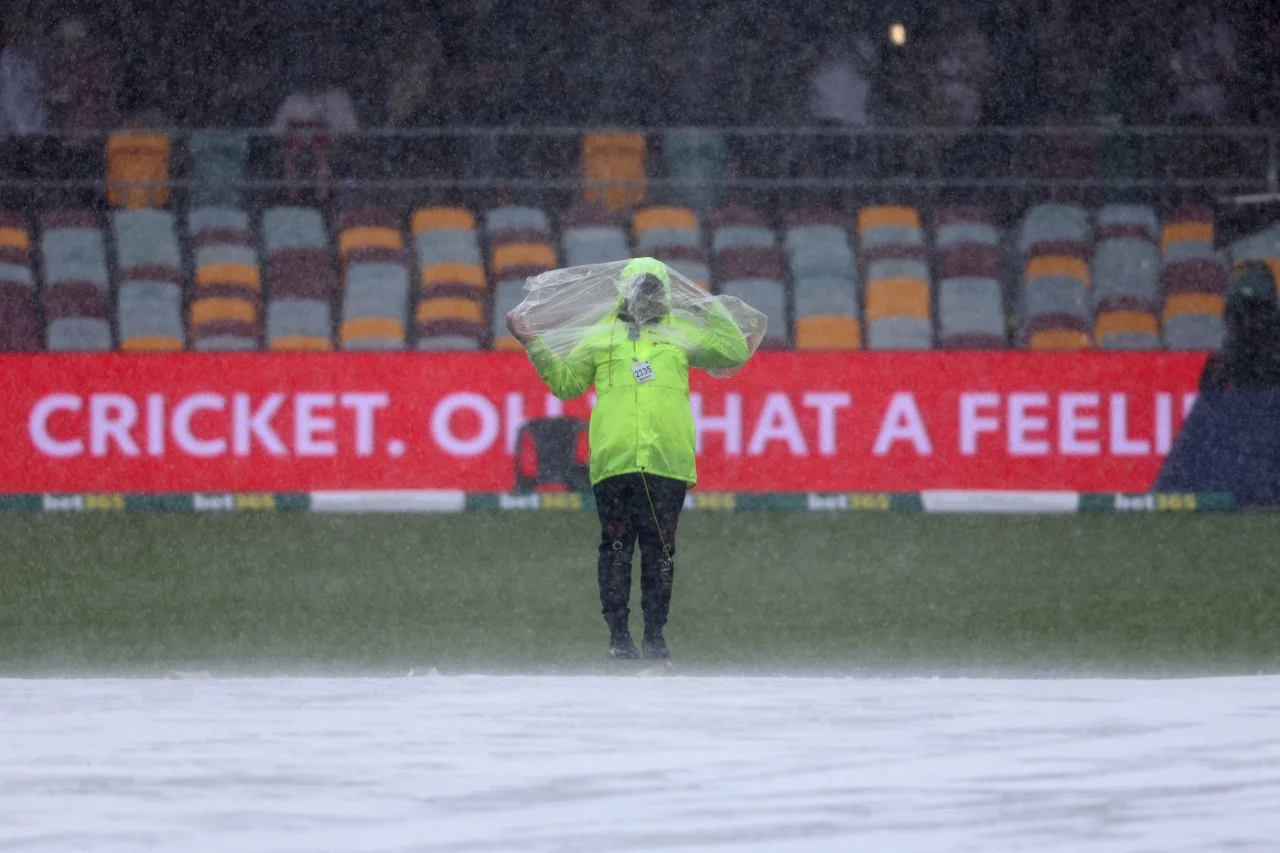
pixel 564 305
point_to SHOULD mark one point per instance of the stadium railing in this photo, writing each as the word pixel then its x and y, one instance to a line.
pixel 1000 167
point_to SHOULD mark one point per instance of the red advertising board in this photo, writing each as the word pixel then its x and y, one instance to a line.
pixel 786 422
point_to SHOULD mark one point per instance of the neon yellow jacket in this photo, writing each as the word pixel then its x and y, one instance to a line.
pixel 642 426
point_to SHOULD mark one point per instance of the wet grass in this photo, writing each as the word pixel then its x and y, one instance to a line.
pixel 143 594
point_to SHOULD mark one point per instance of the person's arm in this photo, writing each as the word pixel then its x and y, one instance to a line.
pixel 719 345
pixel 568 377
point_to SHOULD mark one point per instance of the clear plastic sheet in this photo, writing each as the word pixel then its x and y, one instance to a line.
pixel 564 305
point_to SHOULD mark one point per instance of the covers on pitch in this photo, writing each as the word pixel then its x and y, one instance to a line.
pixel 563 305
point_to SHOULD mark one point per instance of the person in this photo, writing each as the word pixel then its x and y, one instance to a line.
pixel 1250 357
pixel 839 98
pixel 641 433
pixel 315 114
pixel 23 116
pixel 1204 65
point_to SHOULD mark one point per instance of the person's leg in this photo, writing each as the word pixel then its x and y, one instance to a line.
pixel 656 525
pixel 614 501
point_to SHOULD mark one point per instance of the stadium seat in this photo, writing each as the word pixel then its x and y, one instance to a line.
pixel 1115 221
pixel 591 235
pixel 613 170
pixel 293 228
pixel 301 284
pixel 137 164
pixel 18 328
pixel 1127 330
pixel 521 260
pixel 898 314
pixel 375 277
pixel 516 225
pixel 511 265
pixel 825 276
pixel 694 159
pixel 756 276
pixel 1194 280
pixel 1058 339
pixel 215 167
pixel 828 332
pixel 453 290
pixel 77 316
pixel 970 266
pixel 226 304
pixel 149 298
pixel 1055 229
pixel 1261 246
pixel 970 313
pixel 658 228
pixel 1126 275
pixel 1194 321
pixel 225 312
pixel 690 261
pixel 451 313
pixel 1055 299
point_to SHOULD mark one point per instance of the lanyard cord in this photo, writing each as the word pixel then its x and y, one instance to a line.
pixel 666 553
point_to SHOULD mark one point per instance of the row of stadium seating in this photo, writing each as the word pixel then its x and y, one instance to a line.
pixel 1118 281
pixel 614 167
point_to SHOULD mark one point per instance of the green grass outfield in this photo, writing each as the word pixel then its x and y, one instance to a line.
pixel 515 591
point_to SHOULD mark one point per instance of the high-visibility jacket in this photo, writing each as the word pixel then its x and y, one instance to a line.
pixel 642 426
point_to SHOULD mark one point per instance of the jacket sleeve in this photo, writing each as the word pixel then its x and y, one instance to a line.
pixel 567 377
pixel 719 345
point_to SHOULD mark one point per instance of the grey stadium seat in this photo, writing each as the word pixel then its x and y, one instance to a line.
pixel 1194 332
pixel 293 228
pixel 767 296
pixel 900 333
pixel 970 305
pixel 79 334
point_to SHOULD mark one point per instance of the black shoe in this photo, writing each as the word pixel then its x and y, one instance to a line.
pixel 621 647
pixel 655 648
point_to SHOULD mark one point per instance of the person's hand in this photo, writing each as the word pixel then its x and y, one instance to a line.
pixel 519 329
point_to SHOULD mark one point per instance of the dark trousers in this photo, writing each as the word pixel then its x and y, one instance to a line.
pixel 626 514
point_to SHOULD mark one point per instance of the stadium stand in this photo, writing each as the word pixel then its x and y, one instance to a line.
pixel 970 269
pixel 76 309
pixel 592 235
pixel 136 163
pixel 748 265
pixel 19 329
pixel 898 298
pixel 375 279
pixel 825 280
pixel 453 288
pixel 226 305
pixel 1126 278
pixel 519 247
pixel 614 170
pixel 215 167
pixel 1194 280
pixel 301 281
pixel 149 298
pixel 1055 244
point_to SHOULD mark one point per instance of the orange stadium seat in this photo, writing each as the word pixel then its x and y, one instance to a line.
pixel 613 169
pixel 828 332
pixel 1058 339
pixel 135 163
pixel 897 297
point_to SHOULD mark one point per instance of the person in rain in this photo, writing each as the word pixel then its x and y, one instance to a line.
pixel 641 432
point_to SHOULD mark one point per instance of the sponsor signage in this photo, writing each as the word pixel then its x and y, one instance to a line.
pixel 837 423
